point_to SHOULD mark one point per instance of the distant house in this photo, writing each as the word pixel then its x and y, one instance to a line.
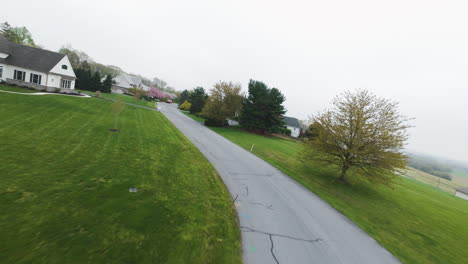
pixel 124 81
pixel 462 193
pixel 35 68
pixel 293 125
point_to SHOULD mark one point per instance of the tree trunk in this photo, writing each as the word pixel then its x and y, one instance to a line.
pixel 344 169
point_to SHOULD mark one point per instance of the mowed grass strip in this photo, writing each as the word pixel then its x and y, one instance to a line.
pixel 124 98
pixel 416 222
pixel 10 88
pixel 65 179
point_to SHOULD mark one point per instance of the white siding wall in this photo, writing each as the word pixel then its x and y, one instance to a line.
pixel 3 73
pixel 54 81
pixel 58 68
pixel 294 131
pixel 461 195
pixel 9 71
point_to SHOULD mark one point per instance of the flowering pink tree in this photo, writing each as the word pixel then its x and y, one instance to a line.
pixel 155 92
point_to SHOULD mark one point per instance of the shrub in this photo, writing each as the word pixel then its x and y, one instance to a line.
pixel 216 123
pixel 185 106
pixel 98 94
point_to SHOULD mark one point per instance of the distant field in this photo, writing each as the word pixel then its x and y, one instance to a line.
pixel 124 98
pixel 461 174
pixel 65 179
pixel 443 184
pixel 417 223
pixel 10 88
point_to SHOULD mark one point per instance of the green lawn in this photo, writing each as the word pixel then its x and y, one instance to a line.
pixel 194 117
pixel 416 222
pixel 64 187
pixel 124 98
pixel 10 88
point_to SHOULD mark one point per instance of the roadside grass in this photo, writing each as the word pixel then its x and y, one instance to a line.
pixel 10 88
pixel 64 187
pixel 194 117
pixel 416 222
pixel 124 98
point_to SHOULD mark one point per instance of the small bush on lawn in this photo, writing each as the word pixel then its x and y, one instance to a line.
pixel 98 94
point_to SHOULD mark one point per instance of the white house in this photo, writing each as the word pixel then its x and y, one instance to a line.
pixel 462 193
pixel 36 68
pixel 293 125
pixel 124 81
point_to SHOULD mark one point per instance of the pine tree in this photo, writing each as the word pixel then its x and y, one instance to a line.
pixel 96 84
pixel 107 84
pixel 197 99
pixel 262 109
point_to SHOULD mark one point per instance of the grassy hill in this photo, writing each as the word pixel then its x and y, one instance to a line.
pixel 65 179
pixel 416 222
pixel 124 98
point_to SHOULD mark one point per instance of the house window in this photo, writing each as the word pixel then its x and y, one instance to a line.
pixel 65 67
pixel 1 71
pixel 35 78
pixel 65 83
pixel 19 75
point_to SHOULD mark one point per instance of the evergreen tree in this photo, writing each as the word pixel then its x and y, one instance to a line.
pixel 184 96
pixel 197 99
pixel 262 109
pixel 107 84
pixel 96 84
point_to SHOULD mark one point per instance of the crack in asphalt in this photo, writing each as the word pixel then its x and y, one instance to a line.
pixel 235 199
pixel 271 249
pixel 247 189
pixel 248 229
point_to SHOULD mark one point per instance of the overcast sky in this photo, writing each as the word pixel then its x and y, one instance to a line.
pixel 415 52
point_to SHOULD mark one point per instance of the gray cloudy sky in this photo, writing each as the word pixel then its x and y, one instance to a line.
pixel 412 51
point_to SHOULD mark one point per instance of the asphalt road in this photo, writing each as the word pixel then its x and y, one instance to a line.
pixel 281 221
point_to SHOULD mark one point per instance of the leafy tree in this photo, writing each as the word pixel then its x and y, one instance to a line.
pixel 96 84
pixel 262 109
pixel 224 102
pixel 107 84
pixel 313 130
pixel 197 98
pixel 156 93
pixel 363 133
pixel 19 35
pixel 184 96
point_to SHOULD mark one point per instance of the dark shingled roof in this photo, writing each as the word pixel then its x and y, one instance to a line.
pixel 28 57
pixel 463 190
pixel 291 121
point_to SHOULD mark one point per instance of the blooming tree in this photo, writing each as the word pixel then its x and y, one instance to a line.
pixel 155 92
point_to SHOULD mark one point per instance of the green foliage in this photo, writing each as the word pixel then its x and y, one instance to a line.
pixel 197 98
pixel 263 109
pixel 185 106
pixel 361 132
pixel 96 82
pixel 431 165
pixel 285 131
pixel 224 102
pixel 107 84
pixel 19 35
pixel 417 223
pixel 183 97
pixel 65 198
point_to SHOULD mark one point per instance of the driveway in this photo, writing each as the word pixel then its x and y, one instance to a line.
pixel 281 221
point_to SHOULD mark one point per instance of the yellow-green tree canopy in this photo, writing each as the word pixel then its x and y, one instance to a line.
pixel 360 132
pixel 224 102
